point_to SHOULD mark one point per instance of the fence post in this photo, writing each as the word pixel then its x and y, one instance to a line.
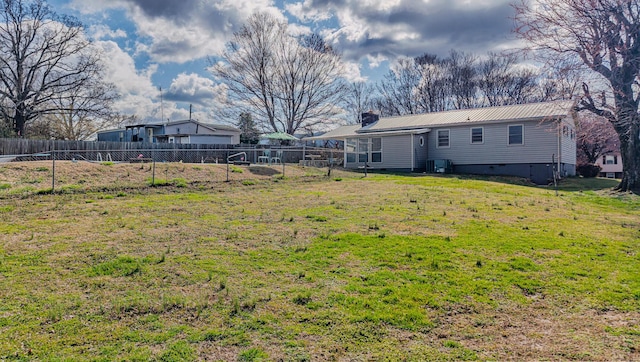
pixel 284 157
pixel 153 174
pixel 227 166
pixel 53 167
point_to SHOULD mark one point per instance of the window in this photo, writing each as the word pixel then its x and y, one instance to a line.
pixel 363 150
pixel 376 150
pixel 443 138
pixel 477 135
pixel 352 149
pixel 516 134
pixel 610 160
pixel 611 175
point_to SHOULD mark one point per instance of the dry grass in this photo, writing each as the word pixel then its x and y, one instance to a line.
pixel 308 268
pixel 29 176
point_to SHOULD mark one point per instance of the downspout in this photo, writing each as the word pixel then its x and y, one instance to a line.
pixel 413 152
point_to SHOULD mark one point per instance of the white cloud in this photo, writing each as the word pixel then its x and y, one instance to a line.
pixel 139 95
pixel 101 32
pixel 385 29
pixel 352 72
pixel 180 31
pixel 306 12
pixel 95 6
pixel 193 88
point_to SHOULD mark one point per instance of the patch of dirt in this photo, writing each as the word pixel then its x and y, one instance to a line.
pixel 542 332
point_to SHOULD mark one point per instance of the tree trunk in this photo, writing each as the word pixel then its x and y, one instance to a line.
pixel 627 125
pixel 19 121
pixel 630 150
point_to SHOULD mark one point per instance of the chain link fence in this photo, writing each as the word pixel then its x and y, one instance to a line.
pixel 166 164
pixel 306 156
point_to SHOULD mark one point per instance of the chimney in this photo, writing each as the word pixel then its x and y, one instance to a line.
pixel 369 118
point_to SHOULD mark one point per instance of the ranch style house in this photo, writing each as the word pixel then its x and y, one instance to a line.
pixel 533 141
pixel 186 131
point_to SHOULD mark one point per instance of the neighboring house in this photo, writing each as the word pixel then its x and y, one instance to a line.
pixel 187 131
pixel 529 140
pixel 611 165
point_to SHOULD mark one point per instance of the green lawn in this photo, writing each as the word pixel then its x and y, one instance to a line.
pixel 387 267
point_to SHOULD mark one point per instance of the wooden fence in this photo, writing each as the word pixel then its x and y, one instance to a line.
pixel 29 150
pixel 17 146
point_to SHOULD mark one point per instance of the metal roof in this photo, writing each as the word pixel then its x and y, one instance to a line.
pixel 338 133
pixel 417 122
pixel 550 110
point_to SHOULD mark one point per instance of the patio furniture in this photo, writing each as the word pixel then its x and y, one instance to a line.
pixel 265 158
pixel 277 158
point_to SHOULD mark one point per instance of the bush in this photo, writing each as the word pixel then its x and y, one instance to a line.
pixel 588 170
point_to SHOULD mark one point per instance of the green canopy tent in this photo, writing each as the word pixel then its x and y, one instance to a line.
pixel 278 138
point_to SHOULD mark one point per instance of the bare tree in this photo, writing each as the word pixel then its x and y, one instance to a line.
pixel 82 111
pixel 287 83
pixel 561 81
pixel 595 137
pixel 43 56
pixel 121 120
pixel 502 83
pixel 398 89
pixel 463 80
pixel 358 100
pixel 605 36
pixel 432 92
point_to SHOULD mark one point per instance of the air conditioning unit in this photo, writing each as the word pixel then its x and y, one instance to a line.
pixel 439 166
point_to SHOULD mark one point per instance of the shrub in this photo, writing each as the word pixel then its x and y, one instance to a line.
pixel 588 170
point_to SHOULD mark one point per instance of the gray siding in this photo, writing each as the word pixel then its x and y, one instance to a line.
pixel 568 147
pixel 112 136
pixel 420 152
pixel 396 154
pixel 211 140
pixel 540 143
pixel 185 128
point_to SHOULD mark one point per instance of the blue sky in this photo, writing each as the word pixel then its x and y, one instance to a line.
pixel 148 44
